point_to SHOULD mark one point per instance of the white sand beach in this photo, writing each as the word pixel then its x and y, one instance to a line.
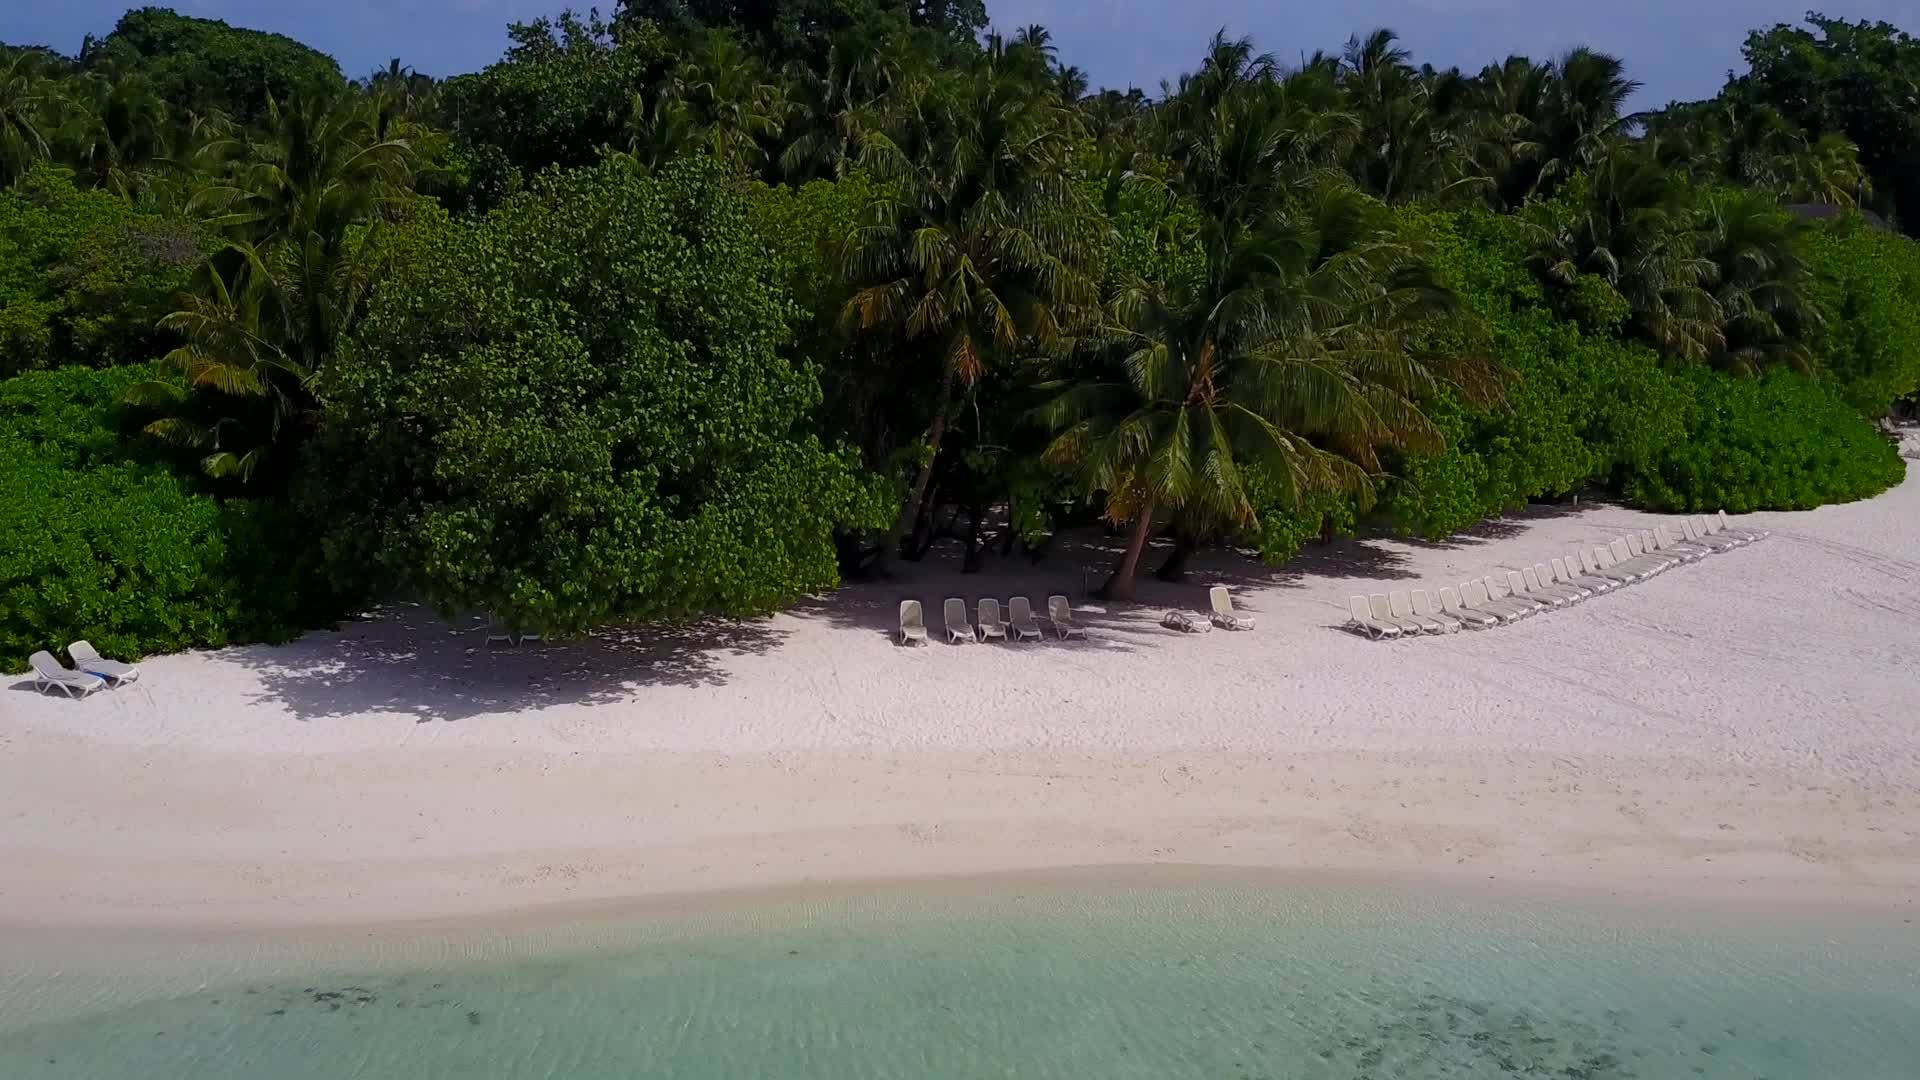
pixel 1745 726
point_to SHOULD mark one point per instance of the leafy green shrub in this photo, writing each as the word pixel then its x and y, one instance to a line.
pixel 97 542
pixel 1783 442
pixel 1866 285
pixel 1284 529
pixel 84 277
pixel 575 410
pixel 199 64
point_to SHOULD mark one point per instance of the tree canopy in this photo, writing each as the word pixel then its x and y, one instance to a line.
pixel 703 304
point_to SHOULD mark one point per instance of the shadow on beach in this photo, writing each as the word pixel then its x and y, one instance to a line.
pixel 404 658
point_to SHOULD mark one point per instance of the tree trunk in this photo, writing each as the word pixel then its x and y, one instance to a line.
pixel 910 513
pixel 1175 567
pixel 1120 585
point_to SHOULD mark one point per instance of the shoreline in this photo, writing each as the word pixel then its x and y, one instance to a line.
pixel 1740 729
pixel 1620 829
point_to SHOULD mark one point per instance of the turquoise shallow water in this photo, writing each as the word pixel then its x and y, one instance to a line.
pixel 1217 982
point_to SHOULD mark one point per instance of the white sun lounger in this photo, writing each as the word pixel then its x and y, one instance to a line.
pixel 1567 571
pixel 1452 603
pixel 1603 557
pixel 1667 544
pixel 1720 525
pixel 1598 562
pixel 1400 606
pixel 1361 620
pixel 991 625
pixel 913 623
pixel 49 673
pixel 1223 615
pixel 1543 586
pixel 1383 613
pixel 1711 528
pixel 1548 580
pixel 954 614
pixel 1530 587
pixel 1485 596
pixel 1021 621
pixel 89 660
pixel 1060 614
pixel 1623 559
pixel 1425 608
pixel 1639 545
pixel 1516 587
pixel 1697 534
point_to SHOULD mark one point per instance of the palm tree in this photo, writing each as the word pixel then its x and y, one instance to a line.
pixel 1282 344
pixel 1585 109
pixel 1628 225
pixel 29 100
pixel 976 240
pixel 732 109
pixel 317 167
pixel 235 328
pixel 1759 286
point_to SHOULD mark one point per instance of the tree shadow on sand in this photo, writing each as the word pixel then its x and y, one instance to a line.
pixel 403 658
pixel 1076 565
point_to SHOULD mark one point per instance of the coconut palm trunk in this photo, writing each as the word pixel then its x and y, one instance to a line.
pixel 1120 585
pixel 910 513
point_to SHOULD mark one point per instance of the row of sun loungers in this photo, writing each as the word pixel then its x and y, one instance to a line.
pixel 1019 624
pixel 90 671
pixel 1547 586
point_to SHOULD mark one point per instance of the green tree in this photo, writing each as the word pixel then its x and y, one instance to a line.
pixel 1287 346
pixel 575 410
pixel 29 104
pixel 1855 79
pixel 202 65
pixel 976 243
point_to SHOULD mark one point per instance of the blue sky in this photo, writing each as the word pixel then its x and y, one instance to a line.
pixel 1678 48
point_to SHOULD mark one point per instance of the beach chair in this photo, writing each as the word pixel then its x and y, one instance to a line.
pixel 990 624
pixel 1638 547
pixel 1020 619
pixel 1425 608
pixel 496 632
pixel 954 614
pixel 1667 544
pixel 1622 555
pixel 1728 528
pixel 1400 606
pixel 1175 619
pixel 1453 604
pixel 1540 583
pixel 1223 615
pixel 1480 598
pixel 1697 534
pixel 1382 609
pixel 1638 543
pixel 1360 620
pixel 1060 614
pixel 1539 578
pixel 1603 557
pixel 1567 571
pixel 1516 587
pixel 1710 527
pixel 913 623
pixel 1597 562
pixel 1525 583
pixel 49 673
pixel 88 659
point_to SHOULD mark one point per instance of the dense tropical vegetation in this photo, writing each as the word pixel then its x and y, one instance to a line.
pixel 699 307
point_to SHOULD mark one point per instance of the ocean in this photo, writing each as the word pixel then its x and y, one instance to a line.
pixel 1216 979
